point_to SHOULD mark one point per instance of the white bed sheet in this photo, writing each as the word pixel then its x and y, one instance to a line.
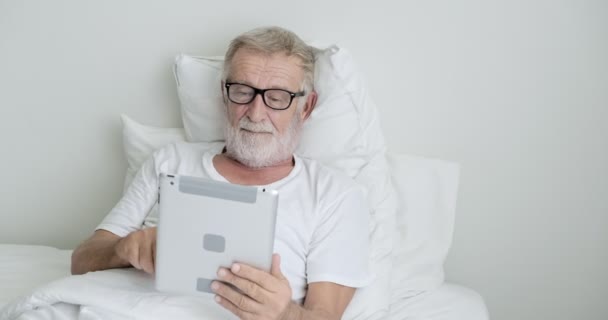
pixel 22 268
pixel 447 302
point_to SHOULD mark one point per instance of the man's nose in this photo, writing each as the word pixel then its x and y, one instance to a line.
pixel 257 109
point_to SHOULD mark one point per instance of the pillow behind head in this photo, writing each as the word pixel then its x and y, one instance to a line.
pixel 200 94
pixel 342 132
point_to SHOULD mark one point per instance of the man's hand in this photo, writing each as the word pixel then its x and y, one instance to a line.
pixel 264 295
pixel 138 249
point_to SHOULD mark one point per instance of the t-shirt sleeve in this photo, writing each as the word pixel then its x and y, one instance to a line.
pixel 339 250
pixel 129 213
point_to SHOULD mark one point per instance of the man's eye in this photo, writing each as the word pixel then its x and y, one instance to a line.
pixel 277 96
pixel 242 93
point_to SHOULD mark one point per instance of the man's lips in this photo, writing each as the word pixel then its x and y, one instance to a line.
pixel 252 131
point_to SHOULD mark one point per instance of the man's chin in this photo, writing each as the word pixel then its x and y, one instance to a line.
pixel 256 149
pixel 255 158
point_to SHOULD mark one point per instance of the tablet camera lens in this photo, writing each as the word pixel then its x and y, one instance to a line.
pixel 264 190
pixel 171 182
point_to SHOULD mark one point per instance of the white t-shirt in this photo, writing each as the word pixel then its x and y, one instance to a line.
pixel 322 221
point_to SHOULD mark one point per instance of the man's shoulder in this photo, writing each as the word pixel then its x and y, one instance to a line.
pixel 329 187
pixel 325 175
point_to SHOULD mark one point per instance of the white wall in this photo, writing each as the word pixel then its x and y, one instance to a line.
pixel 516 91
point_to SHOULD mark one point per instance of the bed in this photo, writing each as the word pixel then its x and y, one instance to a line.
pixel 24 267
pixel 412 200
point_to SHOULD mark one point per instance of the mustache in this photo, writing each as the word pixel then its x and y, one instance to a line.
pixel 258 127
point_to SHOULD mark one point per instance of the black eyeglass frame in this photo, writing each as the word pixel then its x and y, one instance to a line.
pixel 262 92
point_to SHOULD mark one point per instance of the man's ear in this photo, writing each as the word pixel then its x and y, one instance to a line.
pixel 222 86
pixel 311 102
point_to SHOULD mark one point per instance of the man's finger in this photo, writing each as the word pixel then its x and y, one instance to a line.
pixel 153 255
pixel 232 308
pixel 248 287
pixel 145 259
pixel 132 255
pixel 241 301
pixel 262 278
pixel 275 268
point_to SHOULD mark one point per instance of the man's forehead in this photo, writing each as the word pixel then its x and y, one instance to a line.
pixel 248 63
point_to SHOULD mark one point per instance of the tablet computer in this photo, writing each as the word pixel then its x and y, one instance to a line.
pixel 206 224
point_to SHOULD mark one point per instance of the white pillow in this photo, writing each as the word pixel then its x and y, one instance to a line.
pixel 140 141
pixel 427 191
pixel 199 89
pixel 343 132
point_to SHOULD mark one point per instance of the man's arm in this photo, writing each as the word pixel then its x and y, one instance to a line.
pixel 324 300
pixel 97 253
pixel 105 250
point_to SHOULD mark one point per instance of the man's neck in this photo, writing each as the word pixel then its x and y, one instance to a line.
pixel 238 173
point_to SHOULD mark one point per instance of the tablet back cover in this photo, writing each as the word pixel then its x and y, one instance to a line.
pixel 205 224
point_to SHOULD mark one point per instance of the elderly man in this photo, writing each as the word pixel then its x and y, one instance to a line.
pixel 321 243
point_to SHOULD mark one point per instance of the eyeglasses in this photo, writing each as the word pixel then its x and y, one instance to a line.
pixel 277 99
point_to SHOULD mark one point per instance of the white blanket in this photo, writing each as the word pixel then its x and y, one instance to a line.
pixel 110 294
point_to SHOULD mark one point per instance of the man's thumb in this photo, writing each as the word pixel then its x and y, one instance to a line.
pixel 275 268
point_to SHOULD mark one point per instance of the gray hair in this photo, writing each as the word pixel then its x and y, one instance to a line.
pixel 271 40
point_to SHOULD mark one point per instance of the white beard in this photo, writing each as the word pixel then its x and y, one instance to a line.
pixel 260 145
